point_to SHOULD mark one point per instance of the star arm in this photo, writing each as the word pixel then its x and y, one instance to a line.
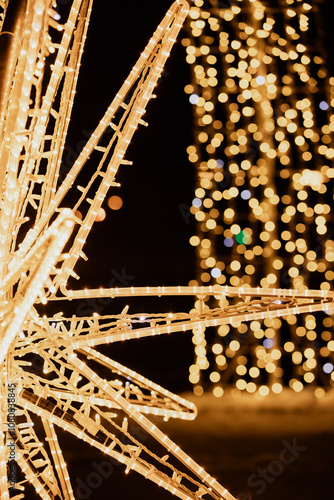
pixel 33 459
pixel 52 244
pixel 58 459
pixel 250 305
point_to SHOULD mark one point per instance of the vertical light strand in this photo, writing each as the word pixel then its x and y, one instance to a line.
pixel 260 94
pixel 58 459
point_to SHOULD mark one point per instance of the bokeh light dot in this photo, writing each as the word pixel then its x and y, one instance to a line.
pixel 215 272
pixel 328 367
pixel 115 202
pixel 101 215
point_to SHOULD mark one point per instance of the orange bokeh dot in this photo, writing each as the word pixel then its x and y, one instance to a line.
pixel 115 202
pixel 101 215
pixel 78 214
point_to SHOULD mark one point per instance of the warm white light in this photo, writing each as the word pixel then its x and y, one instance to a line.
pixel 312 177
pixel 262 152
pixel 67 391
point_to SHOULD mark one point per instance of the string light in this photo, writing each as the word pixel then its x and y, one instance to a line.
pixel 65 391
pixel 51 360
pixel 261 95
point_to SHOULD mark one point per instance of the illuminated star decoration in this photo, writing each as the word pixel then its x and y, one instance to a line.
pixel 41 69
pixel 41 64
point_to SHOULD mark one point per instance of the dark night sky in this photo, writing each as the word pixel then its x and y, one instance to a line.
pixel 148 236
pixel 147 240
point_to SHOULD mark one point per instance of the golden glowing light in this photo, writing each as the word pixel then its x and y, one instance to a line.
pixel 264 216
pixel 53 362
pixel 101 215
pixel 115 202
pixel 39 355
